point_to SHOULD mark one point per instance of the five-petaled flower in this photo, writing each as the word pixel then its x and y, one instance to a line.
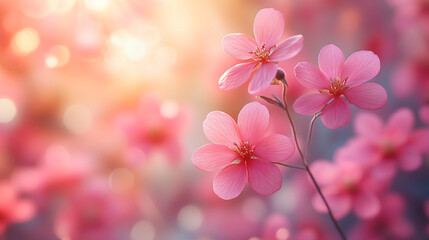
pixel 261 55
pixel 335 79
pixel 243 151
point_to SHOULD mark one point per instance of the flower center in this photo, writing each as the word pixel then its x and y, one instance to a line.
pixel 262 54
pixel 388 149
pixel 350 185
pixel 244 150
pixel 337 87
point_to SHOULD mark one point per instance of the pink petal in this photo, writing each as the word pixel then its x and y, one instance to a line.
pixel 424 114
pixel 410 159
pixel 339 204
pixel 230 181
pixel 287 49
pixel 253 122
pixel 369 96
pixel 366 205
pixel 264 177
pixel 239 45
pixel 310 76
pixel 236 76
pixel 23 210
pixel 268 27
pixel 212 157
pixel 336 114
pixel 419 140
pixel 311 103
pixel 400 125
pixel 325 172
pixel 262 78
pixel 275 148
pixel 360 67
pixel 331 61
pixel 368 125
pixel 220 128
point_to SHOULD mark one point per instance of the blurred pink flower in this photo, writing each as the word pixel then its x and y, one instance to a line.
pixel 344 185
pixel 335 79
pixel 243 151
pixel 276 227
pixel 156 125
pixel 263 54
pixel 94 213
pixel 12 208
pixel 424 114
pixel 395 142
pixel 388 224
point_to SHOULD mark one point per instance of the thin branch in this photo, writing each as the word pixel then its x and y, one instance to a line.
pixel 290 166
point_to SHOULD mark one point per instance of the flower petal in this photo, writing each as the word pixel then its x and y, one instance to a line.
pixel 236 76
pixel 366 205
pixel 368 126
pixel 239 45
pixel 310 76
pixel 369 96
pixel 268 27
pixel 275 148
pixel 287 49
pixel 23 211
pixel 311 103
pixel 264 177
pixel 336 114
pixel 262 78
pixel 230 181
pixel 253 121
pixel 220 128
pixel 424 114
pixel 360 67
pixel 212 157
pixel 410 159
pixel 339 204
pixel 331 61
pixel 400 125
pixel 325 172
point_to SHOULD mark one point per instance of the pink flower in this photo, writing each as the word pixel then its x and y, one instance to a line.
pixel 344 184
pixel 243 151
pixel 396 142
pixel 13 209
pixel 390 223
pixel 262 55
pixel 339 82
pixel 156 125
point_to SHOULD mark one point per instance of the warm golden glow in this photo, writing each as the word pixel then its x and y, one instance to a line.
pixel 25 41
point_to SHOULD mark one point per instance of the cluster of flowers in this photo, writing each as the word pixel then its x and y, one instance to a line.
pixel 362 170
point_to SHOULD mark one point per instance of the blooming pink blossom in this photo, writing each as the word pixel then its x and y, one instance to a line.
pixel 156 125
pixel 243 151
pixel 261 54
pixel 339 82
pixel 390 223
pixel 12 208
pixel 396 142
pixel 344 185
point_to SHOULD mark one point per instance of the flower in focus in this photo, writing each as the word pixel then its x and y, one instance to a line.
pixel 12 208
pixel 243 151
pixel 261 54
pixel 339 82
pixel 390 223
pixel 344 184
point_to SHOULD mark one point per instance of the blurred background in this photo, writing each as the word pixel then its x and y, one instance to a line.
pixel 102 104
